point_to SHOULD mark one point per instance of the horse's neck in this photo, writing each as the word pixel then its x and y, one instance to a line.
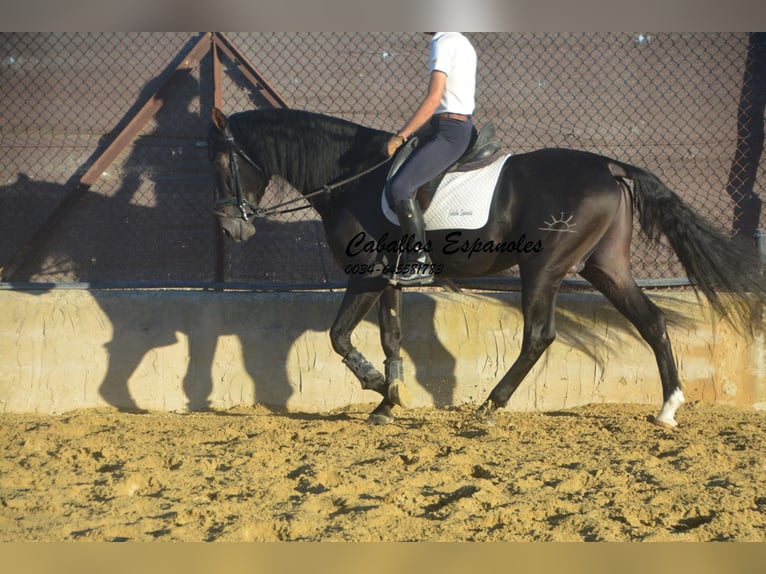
pixel 317 165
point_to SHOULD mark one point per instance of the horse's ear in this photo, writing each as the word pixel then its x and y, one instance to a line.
pixel 219 120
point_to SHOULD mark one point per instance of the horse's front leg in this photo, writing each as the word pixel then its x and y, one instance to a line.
pixel 361 295
pixel 390 322
pixel 359 298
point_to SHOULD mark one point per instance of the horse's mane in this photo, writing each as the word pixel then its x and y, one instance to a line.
pixel 307 149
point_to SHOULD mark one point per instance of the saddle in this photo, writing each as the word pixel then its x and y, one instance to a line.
pixel 481 151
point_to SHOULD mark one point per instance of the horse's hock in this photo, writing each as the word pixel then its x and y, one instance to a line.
pixel 176 350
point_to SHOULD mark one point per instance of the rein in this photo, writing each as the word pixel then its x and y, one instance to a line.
pixel 248 210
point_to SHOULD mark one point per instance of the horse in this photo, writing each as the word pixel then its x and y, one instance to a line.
pixel 340 170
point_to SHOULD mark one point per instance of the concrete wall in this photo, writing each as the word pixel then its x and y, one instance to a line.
pixel 173 350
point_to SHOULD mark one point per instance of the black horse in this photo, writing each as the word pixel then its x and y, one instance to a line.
pixel 340 169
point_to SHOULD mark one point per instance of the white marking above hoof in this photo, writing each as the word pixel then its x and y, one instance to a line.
pixel 667 416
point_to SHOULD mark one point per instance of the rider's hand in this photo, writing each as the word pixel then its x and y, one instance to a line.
pixel 394 144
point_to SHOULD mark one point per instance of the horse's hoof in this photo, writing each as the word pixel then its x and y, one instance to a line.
pixel 377 419
pixel 485 414
pixel 399 394
pixel 666 424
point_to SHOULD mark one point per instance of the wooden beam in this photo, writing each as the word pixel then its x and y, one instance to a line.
pixel 217 77
pixel 249 71
pixel 104 160
pixel 146 113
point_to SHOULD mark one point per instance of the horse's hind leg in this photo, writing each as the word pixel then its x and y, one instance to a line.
pixel 538 297
pixel 611 276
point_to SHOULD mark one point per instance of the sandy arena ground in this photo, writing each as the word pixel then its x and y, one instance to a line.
pixel 596 473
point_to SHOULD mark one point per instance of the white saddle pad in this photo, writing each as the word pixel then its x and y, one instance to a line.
pixel 462 200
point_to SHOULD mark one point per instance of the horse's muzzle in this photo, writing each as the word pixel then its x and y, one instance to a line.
pixel 237 228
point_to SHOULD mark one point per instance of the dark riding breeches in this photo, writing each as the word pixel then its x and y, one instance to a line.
pixel 442 146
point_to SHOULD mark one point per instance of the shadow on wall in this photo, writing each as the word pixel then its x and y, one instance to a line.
pixel 274 348
pixel 24 206
pixel 147 217
pixel 146 322
pixel 254 348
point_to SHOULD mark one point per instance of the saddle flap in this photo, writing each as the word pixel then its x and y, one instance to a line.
pixel 462 201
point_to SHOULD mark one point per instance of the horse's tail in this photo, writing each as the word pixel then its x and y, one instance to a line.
pixel 726 270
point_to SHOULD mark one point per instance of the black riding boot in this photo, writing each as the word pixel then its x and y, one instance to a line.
pixel 415 266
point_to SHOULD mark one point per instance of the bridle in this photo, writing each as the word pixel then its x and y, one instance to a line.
pixel 247 209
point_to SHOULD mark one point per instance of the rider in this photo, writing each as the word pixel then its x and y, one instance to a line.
pixel 447 106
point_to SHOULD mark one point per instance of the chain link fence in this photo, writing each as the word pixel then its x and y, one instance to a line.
pixel 687 106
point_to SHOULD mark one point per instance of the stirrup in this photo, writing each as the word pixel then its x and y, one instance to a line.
pixel 421 279
pixel 413 272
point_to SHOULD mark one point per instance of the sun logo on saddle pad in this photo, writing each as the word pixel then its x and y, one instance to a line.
pixel 560 225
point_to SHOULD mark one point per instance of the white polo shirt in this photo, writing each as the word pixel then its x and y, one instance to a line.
pixel 453 54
